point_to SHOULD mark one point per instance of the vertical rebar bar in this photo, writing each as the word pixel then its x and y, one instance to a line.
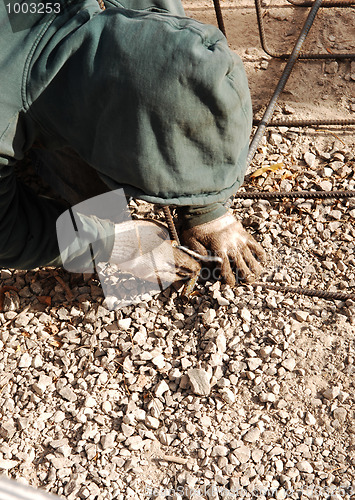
pixel 282 82
pixel 170 222
pixel 217 8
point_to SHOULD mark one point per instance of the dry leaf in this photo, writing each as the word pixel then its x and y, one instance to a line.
pixel 45 299
pixel 267 168
pixel 288 175
pixel 55 342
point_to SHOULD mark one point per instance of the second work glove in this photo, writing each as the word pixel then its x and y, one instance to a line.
pixel 144 249
pixel 226 238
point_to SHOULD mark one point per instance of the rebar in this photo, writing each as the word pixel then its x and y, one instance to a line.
pixel 219 17
pixel 293 123
pixel 282 82
pixel 171 226
pixel 271 195
pixel 337 3
pixel 307 122
pixel 280 55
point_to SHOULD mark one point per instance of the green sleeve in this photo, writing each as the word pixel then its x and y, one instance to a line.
pixel 191 216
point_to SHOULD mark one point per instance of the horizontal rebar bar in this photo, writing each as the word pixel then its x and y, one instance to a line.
pixel 281 55
pixel 307 122
pixel 335 3
pixel 320 195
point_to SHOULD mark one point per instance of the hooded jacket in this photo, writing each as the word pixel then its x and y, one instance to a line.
pixel 156 103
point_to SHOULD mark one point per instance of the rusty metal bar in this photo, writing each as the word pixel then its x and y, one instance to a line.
pixel 336 3
pixel 307 122
pixel 219 16
pixel 280 55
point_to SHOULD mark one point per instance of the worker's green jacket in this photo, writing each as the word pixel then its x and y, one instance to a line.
pixel 155 102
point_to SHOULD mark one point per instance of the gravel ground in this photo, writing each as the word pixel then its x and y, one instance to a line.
pixel 235 393
pixel 236 390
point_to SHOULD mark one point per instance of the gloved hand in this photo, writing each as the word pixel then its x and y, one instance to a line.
pixel 144 249
pixel 227 238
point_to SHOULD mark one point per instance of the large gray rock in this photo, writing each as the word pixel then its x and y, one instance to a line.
pixel 200 381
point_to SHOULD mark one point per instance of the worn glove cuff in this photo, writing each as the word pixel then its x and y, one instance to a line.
pixel 191 216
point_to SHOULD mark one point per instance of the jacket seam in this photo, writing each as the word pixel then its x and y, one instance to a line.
pixel 13 117
pixel 25 83
pixel 29 59
pixel 236 88
pixel 118 5
pixel 25 80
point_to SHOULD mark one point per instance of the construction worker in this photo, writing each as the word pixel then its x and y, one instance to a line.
pixel 136 96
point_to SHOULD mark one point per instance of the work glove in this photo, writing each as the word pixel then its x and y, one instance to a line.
pixel 226 238
pixel 144 249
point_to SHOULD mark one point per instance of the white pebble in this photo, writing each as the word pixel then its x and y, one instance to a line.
pixel 7 464
pixel 106 406
pixel 59 416
pixel 220 451
pixel 301 316
pixel 254 363
pixel 161 388
pixel 289 364
pixel 209 316
pixel 152 422
pixel 25 361
pixel 252 435
pixel 124 323
pixel 331 393
pixel 90 402
pixel 304 466
pixel 310 159
pixel 228 395
pixel 159 361
pixel 200 381
pixel 245 314
pixel 309 419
